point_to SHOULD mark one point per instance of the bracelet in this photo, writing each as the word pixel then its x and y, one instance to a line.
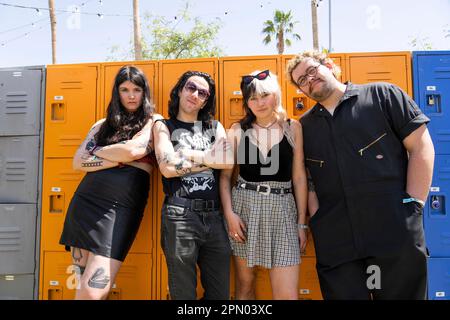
pixel 302 226
pixel 420 202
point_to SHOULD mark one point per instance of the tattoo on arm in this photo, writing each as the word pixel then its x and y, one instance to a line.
pixel 90 145
pixel 311 187
pixel 99 279
pixel 180 169
pixel 92 164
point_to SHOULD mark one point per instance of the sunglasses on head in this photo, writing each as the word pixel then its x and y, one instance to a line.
pixel 202 93
pixel 260 76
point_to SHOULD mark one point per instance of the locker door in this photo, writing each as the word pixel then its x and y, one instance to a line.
pixel 71 101
pixel 309 287
pixel 386 67
pixel 17 287
pixel 59 280
pixel 296 103
pixel 20 101
pixel 171 70
pixel 432 80
pixel 110 72
pixel 231 71
pixel 437 214
pixel 19 162
pixel 439 278
pixel 17 238
pixel 59 184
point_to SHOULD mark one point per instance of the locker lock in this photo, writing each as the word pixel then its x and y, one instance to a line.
pixel 299 105
pixel 435 203
pixel 431 100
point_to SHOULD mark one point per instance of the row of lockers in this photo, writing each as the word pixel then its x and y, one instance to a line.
pixel 432 94
pixel 76 96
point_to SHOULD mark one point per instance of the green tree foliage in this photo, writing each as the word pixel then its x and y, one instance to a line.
pixel 280 28
pixel 176 37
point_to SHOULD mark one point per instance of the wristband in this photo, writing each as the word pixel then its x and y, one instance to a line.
pixel 302 226
pixel 407 200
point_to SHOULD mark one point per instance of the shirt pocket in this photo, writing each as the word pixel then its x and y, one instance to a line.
pixel 313 162
pixel 371 144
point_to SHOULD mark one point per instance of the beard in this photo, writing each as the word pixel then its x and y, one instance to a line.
pixel 323 93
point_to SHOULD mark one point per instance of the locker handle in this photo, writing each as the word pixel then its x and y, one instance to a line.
pixel 114 294
pixel 55 294
pixel 58 111
pixel 56 203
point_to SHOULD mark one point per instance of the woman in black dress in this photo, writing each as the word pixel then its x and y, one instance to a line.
pixel 106 210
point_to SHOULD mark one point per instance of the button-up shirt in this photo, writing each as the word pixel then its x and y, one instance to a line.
pixel 358 164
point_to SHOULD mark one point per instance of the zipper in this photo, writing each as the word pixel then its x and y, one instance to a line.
pixel 321 162
pixel 371 144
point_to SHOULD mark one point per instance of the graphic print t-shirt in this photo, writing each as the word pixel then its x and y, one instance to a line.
pixel 194 136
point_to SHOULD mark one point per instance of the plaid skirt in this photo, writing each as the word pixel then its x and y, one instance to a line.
pixel 271 220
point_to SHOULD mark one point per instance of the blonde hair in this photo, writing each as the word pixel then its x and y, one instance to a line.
pixel 269 85
pixel 318 56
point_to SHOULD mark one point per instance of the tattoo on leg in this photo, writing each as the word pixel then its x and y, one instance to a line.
pixel 99 279
pixel 77 255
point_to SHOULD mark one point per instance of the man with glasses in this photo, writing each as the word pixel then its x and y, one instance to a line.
pixel 190 148
pixel 370 160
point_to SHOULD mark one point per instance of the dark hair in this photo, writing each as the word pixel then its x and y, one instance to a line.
pixel 206 114
pixel 121 125
pixel 248 90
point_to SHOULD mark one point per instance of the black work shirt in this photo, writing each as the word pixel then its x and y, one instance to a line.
pixel 358 164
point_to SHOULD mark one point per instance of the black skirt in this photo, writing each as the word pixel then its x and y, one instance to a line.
pixel 106 210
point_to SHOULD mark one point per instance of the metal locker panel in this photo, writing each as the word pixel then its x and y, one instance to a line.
pixel 110 71
pixel 432 94
pixel 60 181
pixel 20 101
pixel 70 108
pixel 19 163
pixel 17 287
pixel 392 67
pixel 296 103
pixel 437 213
pixel 171 70
pixel 438 278
pixel 17 238
pixel 231 71
pixel 59 278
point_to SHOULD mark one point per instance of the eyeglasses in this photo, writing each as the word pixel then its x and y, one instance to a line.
pixel 310 72
pixel 202 93
pixel 260 76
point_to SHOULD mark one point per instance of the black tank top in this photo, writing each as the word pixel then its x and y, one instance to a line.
pixel 254 167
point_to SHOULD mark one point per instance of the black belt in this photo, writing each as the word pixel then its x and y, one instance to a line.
pixel 193 204
pixel 262 188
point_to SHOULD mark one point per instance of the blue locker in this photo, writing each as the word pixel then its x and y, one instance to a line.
pixel 431 73
pixel 439 278
pixel 437 214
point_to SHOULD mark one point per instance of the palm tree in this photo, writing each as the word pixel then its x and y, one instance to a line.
pixel 51 10
pixel 137 31
pixel 281 27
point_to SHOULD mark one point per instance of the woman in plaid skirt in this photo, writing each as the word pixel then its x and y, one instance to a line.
pixel 265 209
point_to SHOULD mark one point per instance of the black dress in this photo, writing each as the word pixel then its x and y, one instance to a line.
pixel 106 210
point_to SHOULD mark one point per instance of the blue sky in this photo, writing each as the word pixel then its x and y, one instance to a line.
pixel 357 26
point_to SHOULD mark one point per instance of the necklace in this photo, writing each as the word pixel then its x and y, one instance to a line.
pixel 266 126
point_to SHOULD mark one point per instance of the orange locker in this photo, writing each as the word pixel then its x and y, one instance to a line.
pixel 309 288
pixel 109 72
pixel 171 70
pixel 231 71
pixel 59 184
pixel 70 107
pixel 133 282
pixel 169 73
pixel 393 67
pixel 296 103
